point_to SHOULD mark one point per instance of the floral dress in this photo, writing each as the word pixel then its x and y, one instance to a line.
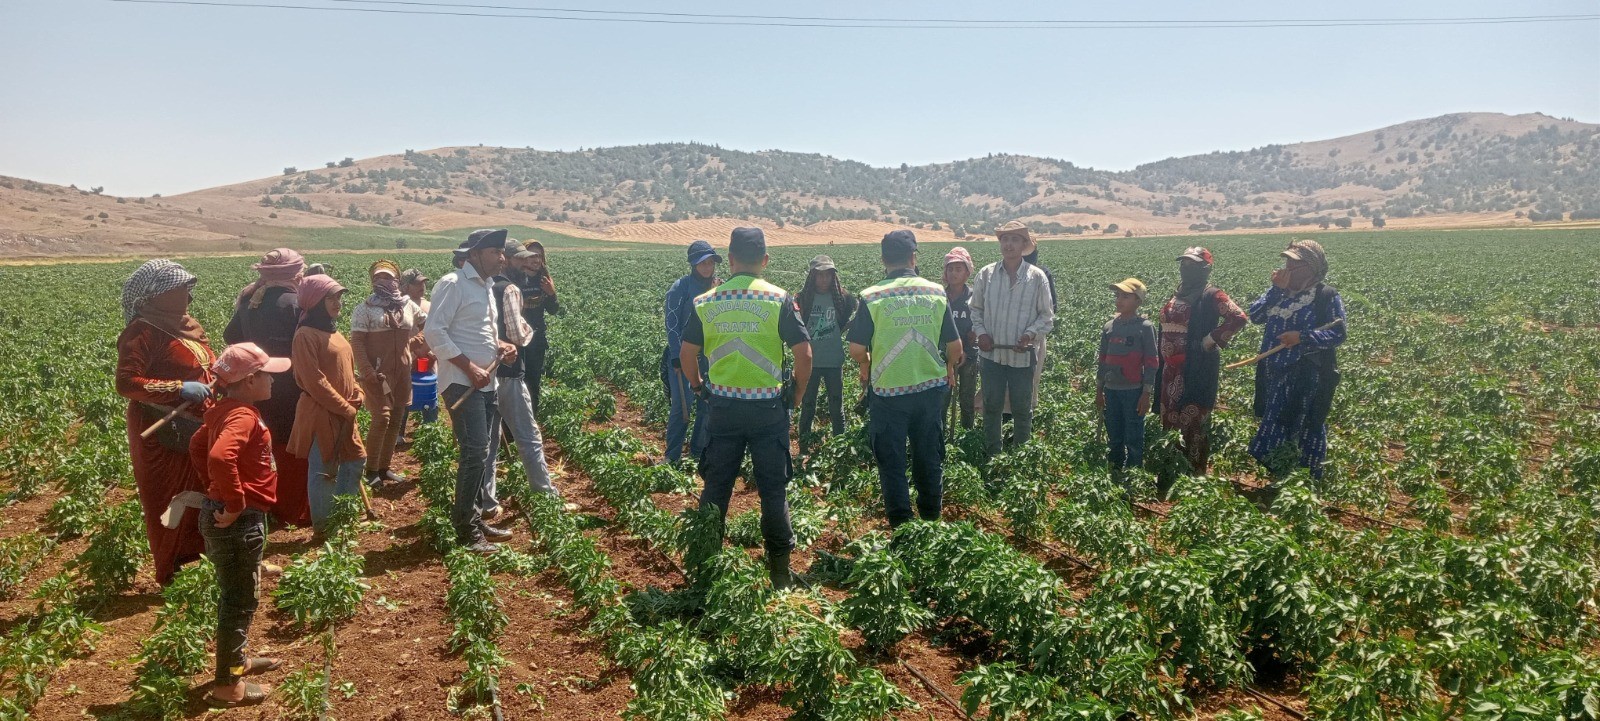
pixel 1283 417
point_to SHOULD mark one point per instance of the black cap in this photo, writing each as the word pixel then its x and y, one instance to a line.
pixel 486 238
pixel 700 250
pixel 899 244
pixel 747 244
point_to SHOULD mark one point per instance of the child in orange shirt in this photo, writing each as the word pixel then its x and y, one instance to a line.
pixel 233 452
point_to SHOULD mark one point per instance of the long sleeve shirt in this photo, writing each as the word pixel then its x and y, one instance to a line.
pixel 513 327
pixel 462 320
pixel 1128 358
pixel 233 454
pixel 536 303
pixel 1005 309
pixel 1279 311
pixel 680 306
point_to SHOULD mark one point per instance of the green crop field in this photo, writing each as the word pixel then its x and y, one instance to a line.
pixel 1445 567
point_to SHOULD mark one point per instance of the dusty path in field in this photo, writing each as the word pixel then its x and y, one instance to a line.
pixel 394 651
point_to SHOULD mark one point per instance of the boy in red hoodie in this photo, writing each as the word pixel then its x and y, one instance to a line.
pixel 233 452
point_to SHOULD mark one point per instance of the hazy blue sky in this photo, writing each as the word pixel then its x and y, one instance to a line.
pixel 149 98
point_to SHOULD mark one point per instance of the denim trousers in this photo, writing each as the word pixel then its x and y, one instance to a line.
pixel 235 552
pixel 1124 429
pixel 762 428
pixel 517 412
pixel 914 420
pixel 833 378
pixel 476 423
pixel 1000 384
pixel 685 405
pixel 323 483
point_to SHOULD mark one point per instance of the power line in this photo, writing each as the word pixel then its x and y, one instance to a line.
pixel 779 21
pixel 954 21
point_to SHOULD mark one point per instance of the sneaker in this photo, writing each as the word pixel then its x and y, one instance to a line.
pixel 391 476
pixel 374 479
pixel 496 534
pixel 482 547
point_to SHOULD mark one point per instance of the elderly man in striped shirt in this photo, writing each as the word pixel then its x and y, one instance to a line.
pixel 1011 310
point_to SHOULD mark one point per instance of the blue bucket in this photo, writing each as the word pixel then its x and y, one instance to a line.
pixel 424 390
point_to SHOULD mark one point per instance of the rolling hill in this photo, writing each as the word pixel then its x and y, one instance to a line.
pixel 1467 169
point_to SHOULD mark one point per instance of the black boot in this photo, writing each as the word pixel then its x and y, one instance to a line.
pixel 778 569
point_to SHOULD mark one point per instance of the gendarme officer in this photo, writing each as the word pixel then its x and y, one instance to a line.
pixel 743 326
pixel 897 342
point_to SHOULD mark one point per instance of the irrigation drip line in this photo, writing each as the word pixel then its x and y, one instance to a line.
pixel 934 689
pixel 1269 698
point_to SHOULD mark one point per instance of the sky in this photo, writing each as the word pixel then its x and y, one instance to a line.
pixel 147 98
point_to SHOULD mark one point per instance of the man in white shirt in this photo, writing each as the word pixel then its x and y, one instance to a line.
pixel 1012 310
pixel 461 330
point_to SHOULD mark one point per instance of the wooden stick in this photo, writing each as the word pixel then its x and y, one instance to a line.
pixel 1279 347
pixel 463 398
pixel 173 414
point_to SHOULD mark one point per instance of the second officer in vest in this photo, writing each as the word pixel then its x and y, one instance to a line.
pixel 743 326
pixel 897 340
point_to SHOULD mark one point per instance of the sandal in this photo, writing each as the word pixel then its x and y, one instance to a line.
pixel 253 695
pixel 257 665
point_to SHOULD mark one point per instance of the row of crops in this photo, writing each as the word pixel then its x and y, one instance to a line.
pixel 1444 568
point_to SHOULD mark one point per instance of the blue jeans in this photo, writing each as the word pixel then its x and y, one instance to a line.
pixel 235 552
pixel 1124 429
pixel 762 427
pixel 477 428
pixel 678 412
pixel 1001 383
pixel 512 398
pixel 323 483
pixel 917 420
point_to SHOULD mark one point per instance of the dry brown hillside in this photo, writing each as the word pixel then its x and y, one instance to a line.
pixel 1469 169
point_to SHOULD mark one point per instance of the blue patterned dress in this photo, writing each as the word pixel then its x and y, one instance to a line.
pixel 1280 311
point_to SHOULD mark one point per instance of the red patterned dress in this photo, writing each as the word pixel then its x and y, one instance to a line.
pixel 1191 419
pixel 151 368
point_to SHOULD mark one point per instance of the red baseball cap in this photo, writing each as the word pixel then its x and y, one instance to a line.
pixel 239 360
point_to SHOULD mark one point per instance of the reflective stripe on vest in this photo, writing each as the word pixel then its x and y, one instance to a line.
pixel 740 322
pixel 907 315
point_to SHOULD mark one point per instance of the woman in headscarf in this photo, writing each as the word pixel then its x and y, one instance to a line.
pixel 266 313
pixel 957 292
pixel 1294 387
pixel 385 332
pixel 1197 320
pixel 164 360
pixel 325 430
